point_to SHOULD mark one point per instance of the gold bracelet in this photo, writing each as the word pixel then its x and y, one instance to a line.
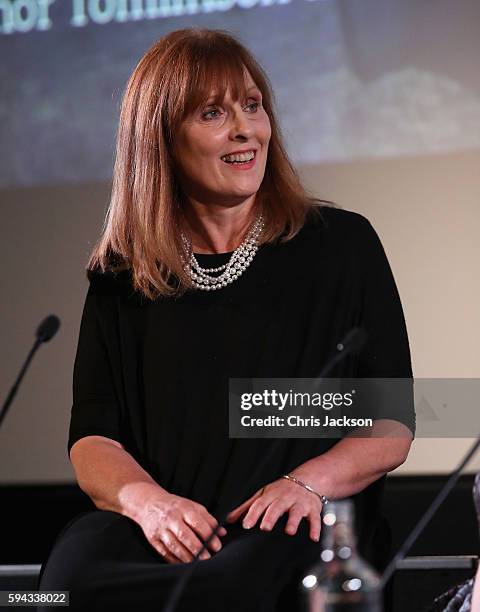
pixel 322 498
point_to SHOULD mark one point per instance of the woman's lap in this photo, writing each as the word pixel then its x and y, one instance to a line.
pixel 104 560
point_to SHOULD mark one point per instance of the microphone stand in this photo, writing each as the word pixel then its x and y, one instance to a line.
pixel 434 506
pixel 352 342
pixel 45 332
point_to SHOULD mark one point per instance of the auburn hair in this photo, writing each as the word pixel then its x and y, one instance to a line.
pixel 174 78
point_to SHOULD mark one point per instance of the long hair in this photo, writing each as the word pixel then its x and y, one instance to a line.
pixel 173 79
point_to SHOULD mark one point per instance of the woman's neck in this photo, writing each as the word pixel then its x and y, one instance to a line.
pixel 217 229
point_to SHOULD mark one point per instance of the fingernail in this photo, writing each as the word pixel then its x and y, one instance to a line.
pixel 246 525
pixel 223 531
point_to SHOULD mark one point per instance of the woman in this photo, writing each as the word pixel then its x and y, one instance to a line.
pixel 203 188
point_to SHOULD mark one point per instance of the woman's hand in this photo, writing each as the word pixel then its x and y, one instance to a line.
pixel 177 527
pixel 274 500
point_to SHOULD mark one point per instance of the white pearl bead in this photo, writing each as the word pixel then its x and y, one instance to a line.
pixel 238 263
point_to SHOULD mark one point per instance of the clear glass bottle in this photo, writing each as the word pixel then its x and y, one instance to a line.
pixel 341 581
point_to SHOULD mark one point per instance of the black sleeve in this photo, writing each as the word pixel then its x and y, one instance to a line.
pixel 386 354
pixel 95 409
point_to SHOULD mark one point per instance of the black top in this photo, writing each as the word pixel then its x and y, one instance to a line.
pixel 154 374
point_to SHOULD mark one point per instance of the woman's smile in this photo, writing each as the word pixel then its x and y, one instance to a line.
pixel 241 161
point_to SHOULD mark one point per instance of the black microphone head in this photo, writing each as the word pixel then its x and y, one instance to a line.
pixel 48 328
pixel 354 340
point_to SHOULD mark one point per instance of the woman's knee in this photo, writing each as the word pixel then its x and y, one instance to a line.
pixel 82 542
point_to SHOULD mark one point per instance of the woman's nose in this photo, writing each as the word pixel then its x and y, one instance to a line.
pixel 241 125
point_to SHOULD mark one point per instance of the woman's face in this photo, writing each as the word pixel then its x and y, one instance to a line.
pixel 211 133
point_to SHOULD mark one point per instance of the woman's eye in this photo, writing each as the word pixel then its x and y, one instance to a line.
pixel 254 106
pixel 206 114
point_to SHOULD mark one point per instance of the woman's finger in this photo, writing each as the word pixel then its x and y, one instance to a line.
pixel 255 511
pixel 187 538
pixel 296 513
pixel 210 519
pixel 315 525
pixel 159 546
pixel 204 525
pixel 274 511
pixel 237 512
pixel 176 547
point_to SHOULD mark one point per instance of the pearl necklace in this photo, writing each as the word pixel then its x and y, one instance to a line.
pixel 240 259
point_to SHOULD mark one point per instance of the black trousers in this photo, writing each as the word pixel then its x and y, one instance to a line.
pixel 104 560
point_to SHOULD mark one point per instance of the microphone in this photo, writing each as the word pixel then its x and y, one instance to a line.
pixel 45 332
pixel 48 328
pixel 353 341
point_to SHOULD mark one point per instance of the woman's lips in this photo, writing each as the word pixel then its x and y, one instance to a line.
pixel 245 165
